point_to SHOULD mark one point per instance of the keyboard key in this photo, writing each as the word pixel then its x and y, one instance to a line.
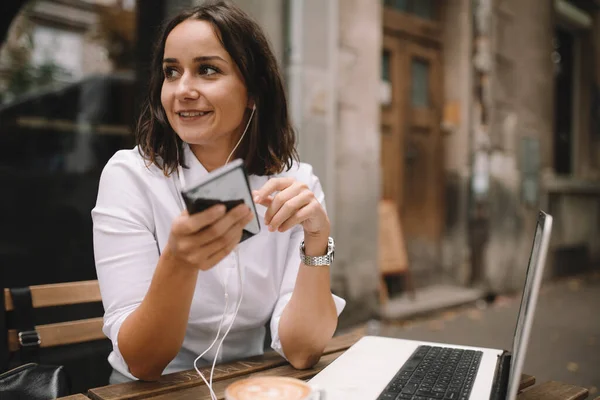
pixel 430 394
pixel 410 388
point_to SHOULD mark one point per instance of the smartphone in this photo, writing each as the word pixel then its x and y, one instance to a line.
pixel 227 185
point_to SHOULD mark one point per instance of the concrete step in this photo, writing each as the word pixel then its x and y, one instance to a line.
pixel 429 299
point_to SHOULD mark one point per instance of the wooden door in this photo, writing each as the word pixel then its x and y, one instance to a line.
pixel 411 141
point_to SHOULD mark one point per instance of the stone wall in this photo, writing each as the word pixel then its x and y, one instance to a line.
pixel 520 128
pixel 331 51
pixel 494 191
pixel 357 141
pixel 456 36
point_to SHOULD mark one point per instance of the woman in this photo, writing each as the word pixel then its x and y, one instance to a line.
pixel 216 94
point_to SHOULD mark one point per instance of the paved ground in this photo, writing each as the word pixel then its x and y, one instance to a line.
pixel 565 341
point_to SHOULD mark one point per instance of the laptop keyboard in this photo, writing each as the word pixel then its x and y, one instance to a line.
pixel 434 373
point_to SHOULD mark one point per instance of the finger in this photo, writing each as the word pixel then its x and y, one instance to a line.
pixel 299 217
pixel 265 201
pixel 221 226
pixel 272 185
pixel 219 256
pixel 289 209
pixel 186 224
pixel 219 250
pixel 282 198
pixel 232 236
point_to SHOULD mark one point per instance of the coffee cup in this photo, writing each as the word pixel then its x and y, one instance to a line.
pixel 272 388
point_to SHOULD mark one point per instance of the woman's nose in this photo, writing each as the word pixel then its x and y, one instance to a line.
pixel 186 89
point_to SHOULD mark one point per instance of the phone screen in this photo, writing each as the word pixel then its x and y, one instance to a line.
pixel 228 186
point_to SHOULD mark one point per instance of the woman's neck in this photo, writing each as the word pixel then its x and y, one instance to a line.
pixel 210 158
pixel 213 156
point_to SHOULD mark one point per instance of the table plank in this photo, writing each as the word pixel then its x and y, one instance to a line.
pixel 526 381
pixel 180 380
pixel 78 396
pixel 202 392
pixel 553 390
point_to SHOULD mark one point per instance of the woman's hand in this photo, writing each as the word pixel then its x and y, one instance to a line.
pixel 201 240
pixel 294 204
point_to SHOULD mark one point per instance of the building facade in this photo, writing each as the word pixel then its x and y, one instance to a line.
pixel 470 115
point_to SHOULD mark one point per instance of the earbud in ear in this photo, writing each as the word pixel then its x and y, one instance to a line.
pixel 254 107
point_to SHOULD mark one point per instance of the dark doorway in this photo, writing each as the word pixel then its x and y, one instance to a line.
pixel 563 57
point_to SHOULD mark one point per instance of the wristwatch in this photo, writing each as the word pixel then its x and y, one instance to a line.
pixel 318 261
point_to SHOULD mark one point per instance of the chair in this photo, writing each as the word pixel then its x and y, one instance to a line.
pixel 393 258
pixel 76 342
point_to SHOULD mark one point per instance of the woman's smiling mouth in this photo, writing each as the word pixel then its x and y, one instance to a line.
pixel 190 115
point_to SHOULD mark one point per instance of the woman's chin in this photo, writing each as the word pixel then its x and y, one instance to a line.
pixel 195 137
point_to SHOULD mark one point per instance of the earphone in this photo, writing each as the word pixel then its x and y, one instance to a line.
pixel 225 279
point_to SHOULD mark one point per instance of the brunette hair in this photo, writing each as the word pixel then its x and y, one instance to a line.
pixel 269 146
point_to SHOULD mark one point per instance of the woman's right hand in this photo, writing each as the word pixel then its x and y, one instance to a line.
pixel 201 240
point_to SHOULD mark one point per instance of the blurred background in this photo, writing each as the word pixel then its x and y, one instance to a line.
pixel 438 129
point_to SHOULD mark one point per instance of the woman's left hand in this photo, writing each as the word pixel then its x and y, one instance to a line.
pixel 294 203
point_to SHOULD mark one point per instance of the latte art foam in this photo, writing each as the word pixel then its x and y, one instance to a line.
pixel 268 388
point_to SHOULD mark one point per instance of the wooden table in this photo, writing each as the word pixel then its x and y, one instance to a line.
pixel 188 385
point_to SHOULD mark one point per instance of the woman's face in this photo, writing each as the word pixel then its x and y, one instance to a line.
pixel 203 93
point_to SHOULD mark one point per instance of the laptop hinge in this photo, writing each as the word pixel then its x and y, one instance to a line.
pixel 500 383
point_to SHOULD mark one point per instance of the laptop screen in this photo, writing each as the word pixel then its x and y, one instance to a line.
pixel 523 310
pixel 533 280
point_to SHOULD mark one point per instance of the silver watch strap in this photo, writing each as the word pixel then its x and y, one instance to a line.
pixel 318 261
pixel 315 261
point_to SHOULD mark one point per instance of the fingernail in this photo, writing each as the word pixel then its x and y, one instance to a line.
pixel 221 209
pixel 271 228
pixel 256 199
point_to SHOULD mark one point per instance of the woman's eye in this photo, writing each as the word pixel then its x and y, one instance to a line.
pixel 208 70
pixel 170 73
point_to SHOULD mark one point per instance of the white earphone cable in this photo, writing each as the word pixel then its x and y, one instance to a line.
pixel 240 280
pixel 212 393
pixel 241 137
pixel 239 270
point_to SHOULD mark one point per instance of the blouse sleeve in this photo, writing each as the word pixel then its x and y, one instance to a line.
pixel 125 249
pixel 292 266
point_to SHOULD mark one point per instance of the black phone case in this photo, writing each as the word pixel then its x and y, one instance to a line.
pixel 197 205
pixel 200 204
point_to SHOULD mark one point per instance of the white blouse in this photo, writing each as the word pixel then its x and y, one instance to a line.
pixel 132 220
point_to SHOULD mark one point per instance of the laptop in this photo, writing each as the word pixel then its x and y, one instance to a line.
pixel 378 368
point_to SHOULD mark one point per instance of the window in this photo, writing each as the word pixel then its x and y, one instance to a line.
pixel 385 66
pixel 420 8
pixel 57 47
pixel 574 150
pixel 419 83
pixel 563 58
pixel 66 106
